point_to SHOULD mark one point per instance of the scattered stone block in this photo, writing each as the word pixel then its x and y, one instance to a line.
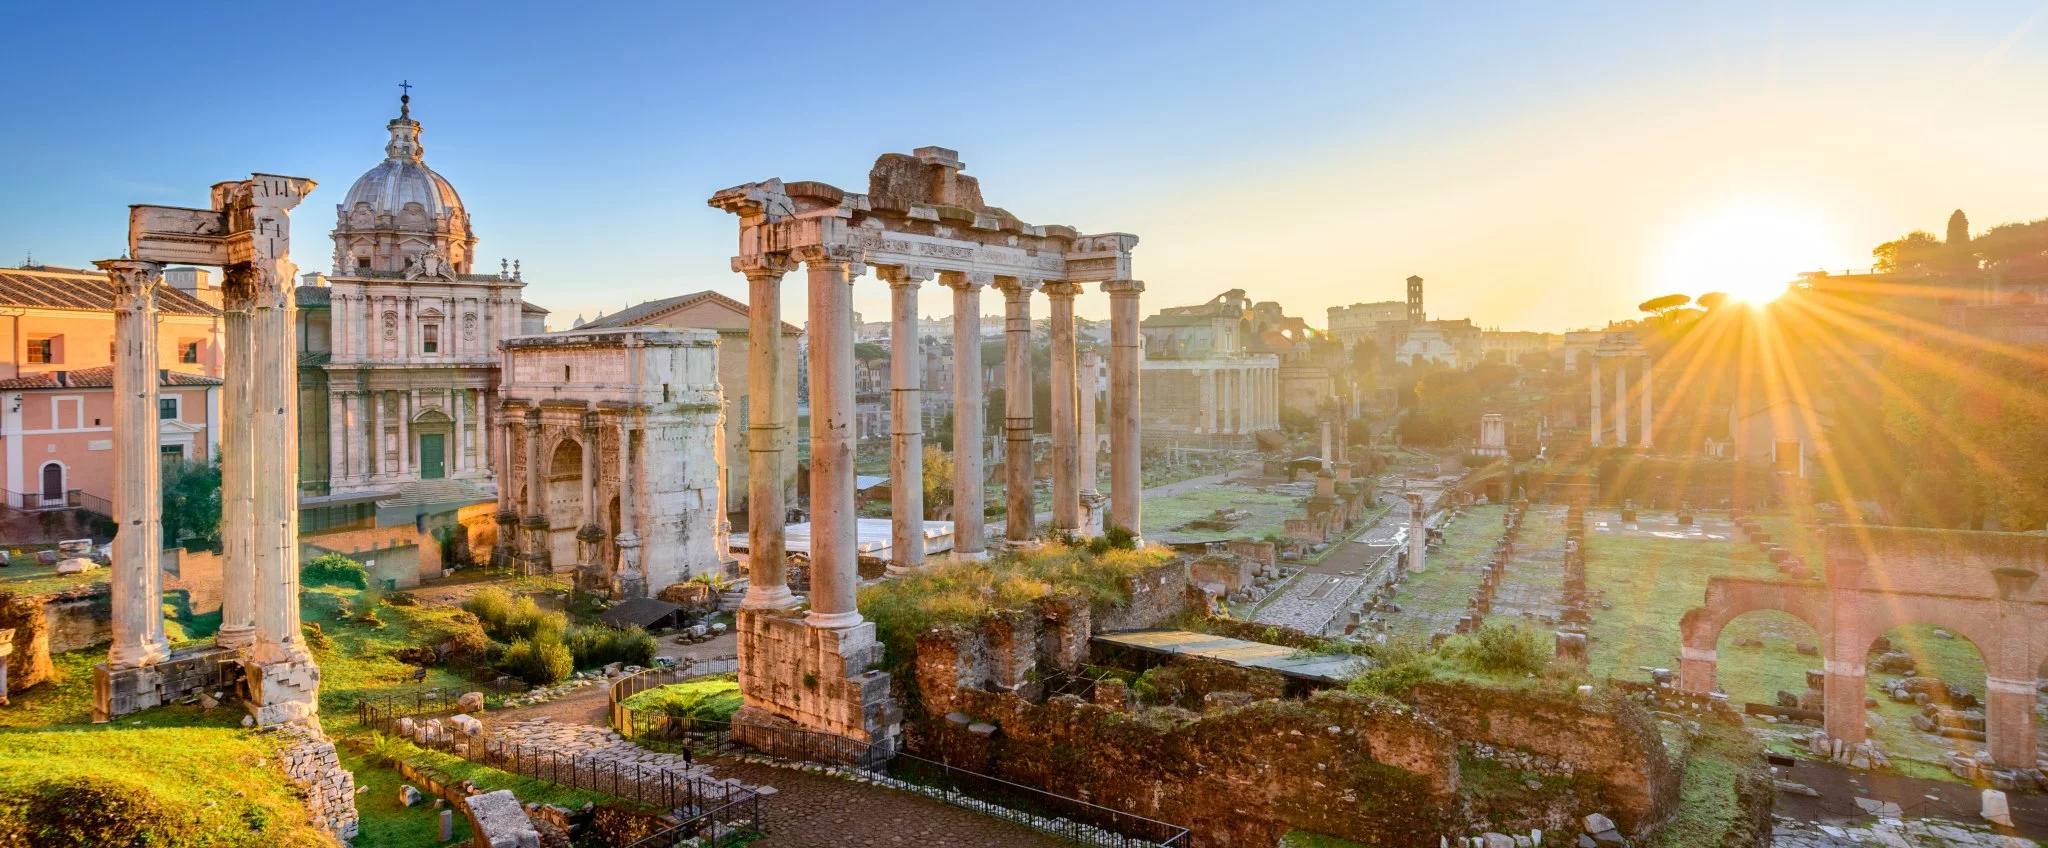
pixel 471 702
pixel 407 795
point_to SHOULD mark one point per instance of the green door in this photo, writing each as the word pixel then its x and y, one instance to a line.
pixel 433 464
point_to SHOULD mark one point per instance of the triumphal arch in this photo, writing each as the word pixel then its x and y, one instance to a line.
pixel 1981 586
pixel 921 219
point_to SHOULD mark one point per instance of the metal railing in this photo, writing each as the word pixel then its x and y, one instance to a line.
pixel 727 825
pixel 659 730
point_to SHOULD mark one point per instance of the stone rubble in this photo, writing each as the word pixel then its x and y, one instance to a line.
pixel 310 762
pixel 1889 833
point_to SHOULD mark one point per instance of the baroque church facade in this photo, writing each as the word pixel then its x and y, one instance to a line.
pixel 398 381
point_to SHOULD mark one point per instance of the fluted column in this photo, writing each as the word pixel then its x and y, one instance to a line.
pixel 968 412
pixel 1085 443
pixel 1017 414
pixel 834 539
pixel 629 582
pixel 767 557
pixel 273 330
pixel 1597 423
pixel 906 421
pixel 137 582
pixel 1066 459
pixel 237 465
pixel 1126 480
pixel 1621 402
pixel 1647 413
pixel 458 437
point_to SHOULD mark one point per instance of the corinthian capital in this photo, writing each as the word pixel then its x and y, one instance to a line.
pixel 910 276
pixel 1062 289
pixel 135 282
pixel 1123 288
pixel 1018 287
pixel 763 264
pixel 827 255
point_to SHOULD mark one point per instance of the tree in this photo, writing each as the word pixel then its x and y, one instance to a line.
pixel 191 503
pixel 1662 305
pixel 1917 252
pixel 938 479
pixel 1711 300
pixel 869 352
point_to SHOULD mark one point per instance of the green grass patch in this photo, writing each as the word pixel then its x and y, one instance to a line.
pixel 1305 839
pixel 708 700
pixel 25 576
pixel 966 592
pixel 198 778
pixel 1708 807
pixel 1269 512
pixel 384 822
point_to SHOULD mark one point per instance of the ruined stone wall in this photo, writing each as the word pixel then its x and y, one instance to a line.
pixel 401 552
pixel 310 762
pixel 1157 595
pixel 29 663
pixel 1607 737
pixel 1336 764
pixel 79 618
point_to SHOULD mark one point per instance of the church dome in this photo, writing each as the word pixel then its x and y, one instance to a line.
pixel 401 217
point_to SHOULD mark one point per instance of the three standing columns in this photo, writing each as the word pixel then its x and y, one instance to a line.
pixel 767 558
pixel 906 421
pixel 968 409
pixel 1020 509
pixel 1066 458
pixel 1126 480
pixel 137 584
pixel 834 538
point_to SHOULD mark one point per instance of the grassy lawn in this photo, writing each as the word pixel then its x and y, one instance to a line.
pixel 1269 512
pixel 216 784
pixel 384 821
pixel 359 660
pixel 25 576
pixel 1434 599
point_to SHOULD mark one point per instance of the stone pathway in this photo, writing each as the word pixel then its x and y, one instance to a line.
pixel 814 809
pixel 602 745
pixel 1323 591
pixel 1889 833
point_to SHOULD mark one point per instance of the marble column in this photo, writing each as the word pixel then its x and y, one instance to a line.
pixel 1126 480
pixel 1328 460
pixel 137 582
pixel 906 421
pixel 237 464
pixel 1066 459
pixel 1418 533
pixel 1020 510
pixel 458 437
pixel 1647 413
pixel 406 405
pixel 287 687
pixel 535 524
pixel 1595 417
pixel 589 535
pixel 337 448
pixel 1621 402
pixel 629 582
pixel 1085 443
pixel 968 412
pixel 833 533
pixel 767 558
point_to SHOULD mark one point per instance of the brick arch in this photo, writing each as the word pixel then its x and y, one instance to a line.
pixel 1729 598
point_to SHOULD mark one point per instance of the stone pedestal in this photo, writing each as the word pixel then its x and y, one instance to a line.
pixel 799 677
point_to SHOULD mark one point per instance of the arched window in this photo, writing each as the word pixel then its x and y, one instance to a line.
pixel 53 481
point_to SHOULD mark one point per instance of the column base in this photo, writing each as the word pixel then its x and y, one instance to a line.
pixel 969 556
pixel 833 620
pixel 235 638
pixel 139 656
pixel 900 569
pixel 768 598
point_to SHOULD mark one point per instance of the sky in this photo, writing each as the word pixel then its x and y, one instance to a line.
pixel 1542 166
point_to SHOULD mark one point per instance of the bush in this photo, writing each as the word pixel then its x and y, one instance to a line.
pixel 1397 667
pixel 601 645
pixel 92 813
pixel 1499 648
pixel 315 637
pixel 540 662
pixel 334 570
pixel 508 620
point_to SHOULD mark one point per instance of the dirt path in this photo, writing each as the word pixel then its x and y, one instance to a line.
pixel 809 810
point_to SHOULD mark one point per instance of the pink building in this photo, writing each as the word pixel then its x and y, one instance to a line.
pixel 56 385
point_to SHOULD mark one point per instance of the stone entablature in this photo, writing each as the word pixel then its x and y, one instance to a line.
pixel 586 410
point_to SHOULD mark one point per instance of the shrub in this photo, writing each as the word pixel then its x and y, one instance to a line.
pixel 540 662
pixel 334 570
pixel 315 637
pixel 490 605
pixel 1397 666
pixel 602 645
pixel 77 811
pixel 401 599
pixel 1499 648
pixel 508 620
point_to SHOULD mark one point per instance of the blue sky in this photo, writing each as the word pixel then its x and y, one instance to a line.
pixel 1542 165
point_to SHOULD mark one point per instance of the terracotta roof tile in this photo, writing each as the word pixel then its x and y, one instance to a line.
pixel 100 377
pixel 50 289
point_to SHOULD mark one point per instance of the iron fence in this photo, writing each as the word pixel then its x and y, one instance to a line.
pixel 731 824
pixel 658 730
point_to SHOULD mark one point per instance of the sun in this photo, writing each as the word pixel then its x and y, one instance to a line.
pixel 1752 252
